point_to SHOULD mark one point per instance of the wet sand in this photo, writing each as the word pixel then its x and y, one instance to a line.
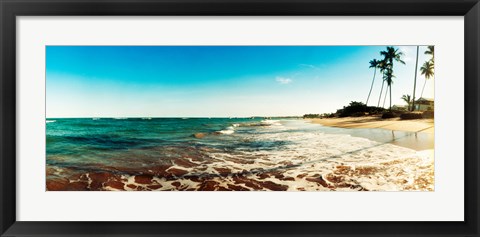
pixel 414 134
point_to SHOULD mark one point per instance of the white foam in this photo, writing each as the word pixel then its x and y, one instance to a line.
pixel 51 121
pixel 229 130
pixel 270 122
pixel 356 161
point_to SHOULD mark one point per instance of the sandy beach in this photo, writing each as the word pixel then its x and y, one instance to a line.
pixel 395 124
pixel 414 134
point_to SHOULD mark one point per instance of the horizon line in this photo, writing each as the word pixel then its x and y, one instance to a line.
pixel 123 117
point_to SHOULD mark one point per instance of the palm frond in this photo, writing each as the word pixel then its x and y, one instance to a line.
pixel 427 70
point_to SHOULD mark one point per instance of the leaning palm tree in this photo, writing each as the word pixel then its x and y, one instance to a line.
pixel 373 63
pixel 415 80
pixel 391 54
pixel 388 78
pixel 385 97
pixel 383 66
pixel 431 51
pixel 407 99
pixel 427 70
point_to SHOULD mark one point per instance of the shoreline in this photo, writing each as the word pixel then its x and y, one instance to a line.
pixel 395 124
pixel 414 134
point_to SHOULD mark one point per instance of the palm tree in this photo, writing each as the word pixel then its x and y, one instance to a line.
pixel 373 63
pixel 388 79
pixel 431 51
pixel 391 54
pixel 427 70
pixel 407 99
pixel 415 80
pixel 383 66
pixel 385 97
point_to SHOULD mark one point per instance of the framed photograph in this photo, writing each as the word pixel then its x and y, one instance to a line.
pixel 218 118
pixel 256 118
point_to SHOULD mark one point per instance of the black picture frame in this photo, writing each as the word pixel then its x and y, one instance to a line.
pixel 10 9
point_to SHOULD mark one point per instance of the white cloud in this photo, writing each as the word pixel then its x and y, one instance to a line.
pixel 283 80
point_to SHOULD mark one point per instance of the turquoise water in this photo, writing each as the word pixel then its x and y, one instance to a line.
pixel 85 143
pixel 86 136
pixel 108 134
pixel 213 154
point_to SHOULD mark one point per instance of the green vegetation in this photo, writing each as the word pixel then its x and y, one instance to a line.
pixel 375 64
pixel 431 51
pixel 311 116
pixel 382 66
pixel 324 115
pixel 415 81
pixel 390 55
pixel 427 71
pixel 408 100
pixel 428 67
pixel 386 66
pixel 413 115
pixel 357 109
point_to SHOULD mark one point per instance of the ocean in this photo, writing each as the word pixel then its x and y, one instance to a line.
pixel 223 154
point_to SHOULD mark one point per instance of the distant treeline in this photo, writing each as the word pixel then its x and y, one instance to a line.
pixel 286 117
pixel 358 109
pixel 324 115
pixel 353 109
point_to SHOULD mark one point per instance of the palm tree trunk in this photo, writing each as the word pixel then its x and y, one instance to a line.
pixel 415 82
pixel 385 97
pixel 423 87
pixel 371 87
pixel 380 97
pixel 390 97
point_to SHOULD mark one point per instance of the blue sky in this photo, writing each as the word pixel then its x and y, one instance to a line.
pixel 217 81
